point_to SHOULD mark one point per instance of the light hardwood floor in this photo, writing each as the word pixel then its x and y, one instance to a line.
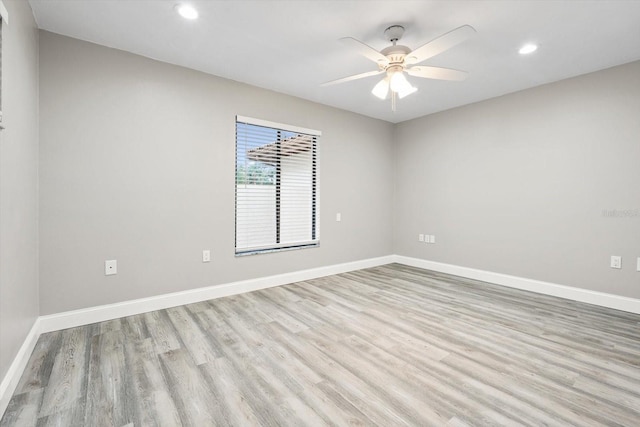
pixel 389 346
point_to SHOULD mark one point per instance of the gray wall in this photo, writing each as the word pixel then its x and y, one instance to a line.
pixel 137 164
pixel 518 184
pixel 18 181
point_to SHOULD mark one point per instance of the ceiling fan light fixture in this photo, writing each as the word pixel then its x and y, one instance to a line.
pixel 399 82
pixel 381 89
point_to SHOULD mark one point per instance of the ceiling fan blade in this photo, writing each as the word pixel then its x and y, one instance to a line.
pixel 436 73
pixel 365 50
pixel 354 77
pixel 440 44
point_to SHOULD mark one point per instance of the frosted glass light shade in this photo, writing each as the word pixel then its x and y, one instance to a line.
pixel 399 82
pixel 381 89
pixel 407 92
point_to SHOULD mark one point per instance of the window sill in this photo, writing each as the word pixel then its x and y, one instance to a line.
pixel 272 250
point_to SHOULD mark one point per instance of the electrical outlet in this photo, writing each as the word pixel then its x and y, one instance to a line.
pixel 616 261
pixel 206 255
pixel 420 237
pixel 432 239
pixel 110 267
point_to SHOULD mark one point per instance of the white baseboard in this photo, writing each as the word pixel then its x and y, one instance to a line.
pixel 12 377
pixel 617 302
pixel 85 316
pixel 101 313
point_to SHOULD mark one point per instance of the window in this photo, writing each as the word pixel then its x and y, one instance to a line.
pixel 276 187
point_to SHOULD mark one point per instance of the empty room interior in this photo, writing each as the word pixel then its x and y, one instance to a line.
pixel 307 213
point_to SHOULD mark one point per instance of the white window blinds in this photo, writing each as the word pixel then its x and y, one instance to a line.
pixel 276 186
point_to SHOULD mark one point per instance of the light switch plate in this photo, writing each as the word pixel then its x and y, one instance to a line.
pixel 206 255
pixel 420 237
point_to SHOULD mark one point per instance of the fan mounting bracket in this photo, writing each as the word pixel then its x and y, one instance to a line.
pixel 394 33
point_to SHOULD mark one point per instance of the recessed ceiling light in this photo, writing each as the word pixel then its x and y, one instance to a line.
pixel 187 11
pixel 528 48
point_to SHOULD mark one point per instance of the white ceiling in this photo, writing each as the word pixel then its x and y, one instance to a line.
pixel 292 46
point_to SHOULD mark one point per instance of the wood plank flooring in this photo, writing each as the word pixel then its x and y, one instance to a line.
pixel 388 346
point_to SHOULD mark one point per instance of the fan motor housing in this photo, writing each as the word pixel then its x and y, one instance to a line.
pixel 396 53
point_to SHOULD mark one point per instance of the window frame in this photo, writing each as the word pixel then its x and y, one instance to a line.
pixel 315 189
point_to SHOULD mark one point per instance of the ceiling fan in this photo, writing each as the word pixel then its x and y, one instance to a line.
pixel 396 59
